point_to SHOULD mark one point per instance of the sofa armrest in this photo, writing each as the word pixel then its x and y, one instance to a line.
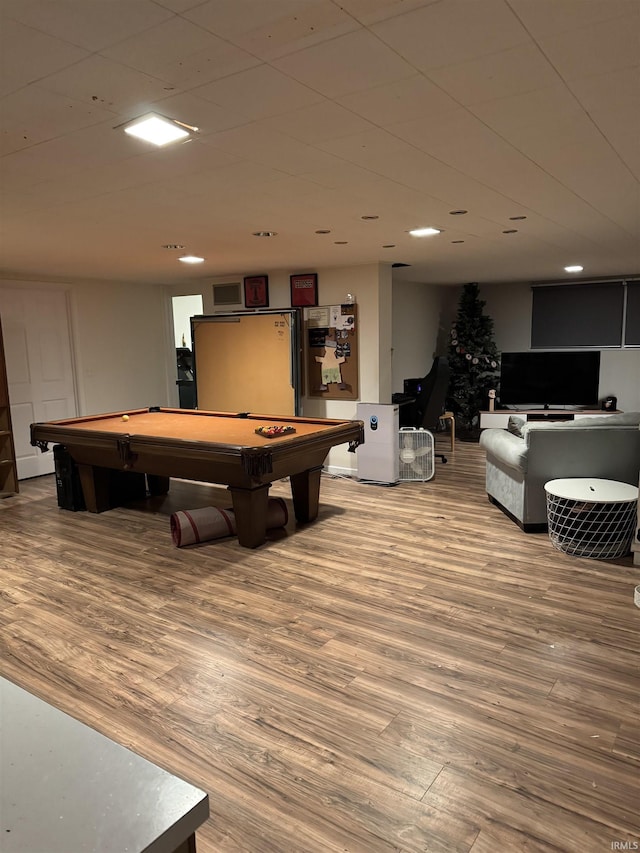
pixel 509 449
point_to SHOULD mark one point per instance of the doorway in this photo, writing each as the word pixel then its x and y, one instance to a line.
pixel 184 308
pixel 39 368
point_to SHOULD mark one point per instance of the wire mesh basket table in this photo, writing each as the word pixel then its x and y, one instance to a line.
pixel 591 517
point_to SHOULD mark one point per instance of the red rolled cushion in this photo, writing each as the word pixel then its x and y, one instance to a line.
pixel 191 526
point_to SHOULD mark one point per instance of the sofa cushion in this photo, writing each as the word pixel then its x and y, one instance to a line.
pixel 627 419
pixel 511 449
pixel 515 425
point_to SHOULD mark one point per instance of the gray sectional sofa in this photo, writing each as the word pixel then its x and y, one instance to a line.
pixel 521 459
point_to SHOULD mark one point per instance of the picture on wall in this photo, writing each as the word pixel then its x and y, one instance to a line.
pixel 304 290
pixel 256 291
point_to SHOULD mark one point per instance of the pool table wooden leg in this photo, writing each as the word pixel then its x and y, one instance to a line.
pixel 106 488
pixel 96 489
pixel 250 510
pixel 305 490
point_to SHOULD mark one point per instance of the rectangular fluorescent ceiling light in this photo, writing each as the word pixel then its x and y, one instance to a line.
pixel 157 129
pixel 424 232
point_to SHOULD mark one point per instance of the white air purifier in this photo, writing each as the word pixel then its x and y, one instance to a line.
pixel 378 457
pixel 416 457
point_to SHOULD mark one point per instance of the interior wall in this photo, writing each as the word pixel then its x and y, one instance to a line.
pixel 417 311
pixel 122 338
pixel 119 343
pixel 510 307
pixel 371 284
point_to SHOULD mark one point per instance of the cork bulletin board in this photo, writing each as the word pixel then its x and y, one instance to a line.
pixel 248 362
pixel 330 338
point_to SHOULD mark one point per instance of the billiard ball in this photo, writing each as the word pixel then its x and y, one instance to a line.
pixel 125 417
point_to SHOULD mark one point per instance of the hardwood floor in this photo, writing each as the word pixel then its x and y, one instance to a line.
pixel 410 672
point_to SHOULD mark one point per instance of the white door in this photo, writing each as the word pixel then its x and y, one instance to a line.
pixel 39 368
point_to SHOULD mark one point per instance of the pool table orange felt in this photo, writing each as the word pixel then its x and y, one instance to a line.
pixel 215 447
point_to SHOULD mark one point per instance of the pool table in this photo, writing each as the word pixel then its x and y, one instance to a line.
pixel 120 455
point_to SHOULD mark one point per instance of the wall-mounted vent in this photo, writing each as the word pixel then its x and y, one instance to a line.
pixel 227 294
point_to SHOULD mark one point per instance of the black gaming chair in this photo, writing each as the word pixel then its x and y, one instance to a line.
pixel 430 402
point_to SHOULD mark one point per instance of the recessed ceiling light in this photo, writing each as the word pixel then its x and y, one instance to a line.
pixel 458 212
pixel 511 231
pixel 157 129
pixel 264 234
pixel 574 268
pixel 424 232
pixel 191 259
pixel 369 217
pixel 514 218
pixel 323 231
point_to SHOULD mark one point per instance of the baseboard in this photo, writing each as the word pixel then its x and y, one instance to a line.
pixel 336 471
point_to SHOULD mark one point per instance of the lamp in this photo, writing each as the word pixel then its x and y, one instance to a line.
pixel 424 232
pixel 157 129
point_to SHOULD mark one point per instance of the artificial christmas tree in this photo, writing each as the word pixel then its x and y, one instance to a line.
pixel 473 359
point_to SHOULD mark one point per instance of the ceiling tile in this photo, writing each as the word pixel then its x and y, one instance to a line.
pixel 404 109
pixel 399 101
pixel 508 72
pixel 179 5
pixel 107 180
pixel 578 153
pixel 31 116
pixel 474 150
pixel 443 34
pixel 517 116
pixel 237 178
pixel 373 11
pixel 196 112
pixel 96 80
pixel 325 120
pixel 258 93
pixel 90 25
pixel 181 54
pixel 27 55
pixel 613 103
pixel 346 64
pixel 234 20
pixel 271 149
pixel 609 46
pixel 547 17
pixel 87 147
pixel 279 27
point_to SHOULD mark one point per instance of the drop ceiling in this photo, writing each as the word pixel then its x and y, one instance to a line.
pixel 313 114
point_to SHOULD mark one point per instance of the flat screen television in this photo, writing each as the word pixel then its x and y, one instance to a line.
pixel 550 378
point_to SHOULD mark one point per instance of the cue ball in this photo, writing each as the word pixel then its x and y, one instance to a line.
pixel 125 417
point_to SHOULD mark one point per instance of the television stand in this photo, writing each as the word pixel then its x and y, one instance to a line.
pixel 500 418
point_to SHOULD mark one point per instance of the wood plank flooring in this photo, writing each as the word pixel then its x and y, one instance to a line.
pixel 410 672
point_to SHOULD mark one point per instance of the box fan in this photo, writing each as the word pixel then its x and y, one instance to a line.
pixel 416 454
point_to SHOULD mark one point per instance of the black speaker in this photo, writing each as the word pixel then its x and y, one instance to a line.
pixel 609 404
pixel 67 480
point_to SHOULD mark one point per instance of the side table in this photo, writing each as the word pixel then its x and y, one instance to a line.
pixel 66 788
pixel 590 517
